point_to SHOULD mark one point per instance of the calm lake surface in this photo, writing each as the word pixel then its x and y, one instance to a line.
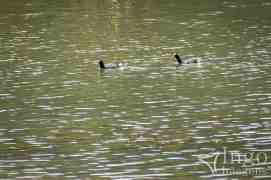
pixel 63 118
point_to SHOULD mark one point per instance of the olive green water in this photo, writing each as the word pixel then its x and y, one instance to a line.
pixel 62 118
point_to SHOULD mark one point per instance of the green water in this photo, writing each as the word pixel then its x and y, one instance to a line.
pixel 63 118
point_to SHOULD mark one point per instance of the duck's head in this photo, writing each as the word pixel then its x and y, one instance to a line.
pixel 178 58
pixel 101 63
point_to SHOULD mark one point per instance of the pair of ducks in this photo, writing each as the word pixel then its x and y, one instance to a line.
pixel 114 66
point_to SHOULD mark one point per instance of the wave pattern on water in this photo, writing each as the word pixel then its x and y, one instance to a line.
pixel 62 117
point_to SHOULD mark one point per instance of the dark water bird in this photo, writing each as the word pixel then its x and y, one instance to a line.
pixel 181 62
pixel 110 66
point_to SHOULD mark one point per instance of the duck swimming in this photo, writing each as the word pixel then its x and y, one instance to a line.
pixel 111 66
pixel 181 62
pixel 108 66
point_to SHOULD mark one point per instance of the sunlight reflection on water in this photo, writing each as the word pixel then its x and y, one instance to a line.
pixel 63 117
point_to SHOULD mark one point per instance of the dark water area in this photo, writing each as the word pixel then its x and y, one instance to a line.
pixel 63 118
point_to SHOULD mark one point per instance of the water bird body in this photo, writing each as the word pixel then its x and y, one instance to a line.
pixel 182 62
pixel 110 66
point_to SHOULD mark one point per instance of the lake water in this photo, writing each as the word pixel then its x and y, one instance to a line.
pixel 63 118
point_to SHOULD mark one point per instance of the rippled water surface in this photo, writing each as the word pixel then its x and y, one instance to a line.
pixel 63 118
